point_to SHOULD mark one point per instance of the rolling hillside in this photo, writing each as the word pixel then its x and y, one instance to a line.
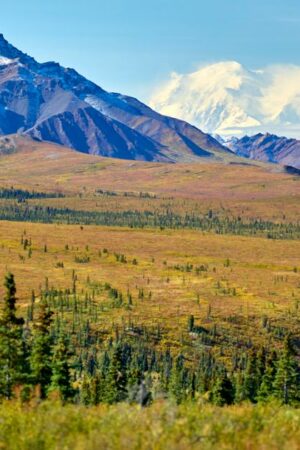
pixel 253 189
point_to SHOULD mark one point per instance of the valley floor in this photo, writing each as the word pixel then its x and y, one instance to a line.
pixel 183 280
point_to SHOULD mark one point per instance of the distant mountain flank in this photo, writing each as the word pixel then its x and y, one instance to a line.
pixel 268 148
pixel 51 103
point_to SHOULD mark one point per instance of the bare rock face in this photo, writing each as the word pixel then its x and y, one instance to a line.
pixel 51 103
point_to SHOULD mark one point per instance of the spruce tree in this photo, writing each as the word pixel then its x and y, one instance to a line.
pixel 41 353
pixel 287 381
pixel 115 386
pixel 265 391
pixel 261 362
pixel 96 389
pixel 13 366
pixel 61 377
pixel 222 392
pixel 177 388
pixel 191 323
pixel 9 310
pixel 251 378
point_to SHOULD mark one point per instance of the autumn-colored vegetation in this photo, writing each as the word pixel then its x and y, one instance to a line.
pixel 163 425
pixel 188 296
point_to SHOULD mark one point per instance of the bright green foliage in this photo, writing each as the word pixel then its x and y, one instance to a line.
pixel 85 391
pixel 240 391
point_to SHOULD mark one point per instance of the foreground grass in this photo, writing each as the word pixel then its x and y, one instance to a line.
pixel 161 426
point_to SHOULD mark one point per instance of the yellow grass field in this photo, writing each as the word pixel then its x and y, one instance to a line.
pixel 245 279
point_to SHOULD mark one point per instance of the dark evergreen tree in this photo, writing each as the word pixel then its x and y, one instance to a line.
pixel 115 385
pixel 266 390
pixel 222 392
pixel 61 377
pixel 287 381
pixel 177 386
pixel 9 310
pixel 13 367
pixel 41 353
pixel 261 363
pixel 96 389
pixel 251 378
pixel 191 323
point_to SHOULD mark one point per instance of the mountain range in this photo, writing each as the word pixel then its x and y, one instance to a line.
pixel 268 148
pixel 51 103
pixel 48 102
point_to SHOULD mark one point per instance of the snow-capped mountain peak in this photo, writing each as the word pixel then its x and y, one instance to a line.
pixel 228 99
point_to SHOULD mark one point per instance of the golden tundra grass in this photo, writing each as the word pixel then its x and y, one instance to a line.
pixel 246 277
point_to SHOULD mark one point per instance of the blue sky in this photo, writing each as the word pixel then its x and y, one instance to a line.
pixel 130 46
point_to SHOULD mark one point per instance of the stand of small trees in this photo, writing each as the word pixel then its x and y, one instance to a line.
pixel 56 349
pixel 22 194
pixel 144 219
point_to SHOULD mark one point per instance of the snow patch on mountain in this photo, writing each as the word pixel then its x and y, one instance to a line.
pixel 228 99
pixel 5 61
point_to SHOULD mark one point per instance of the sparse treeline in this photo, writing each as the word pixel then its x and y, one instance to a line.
pixel 124 194
pixel 209 222
pixel 22 195
pixel 60 349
